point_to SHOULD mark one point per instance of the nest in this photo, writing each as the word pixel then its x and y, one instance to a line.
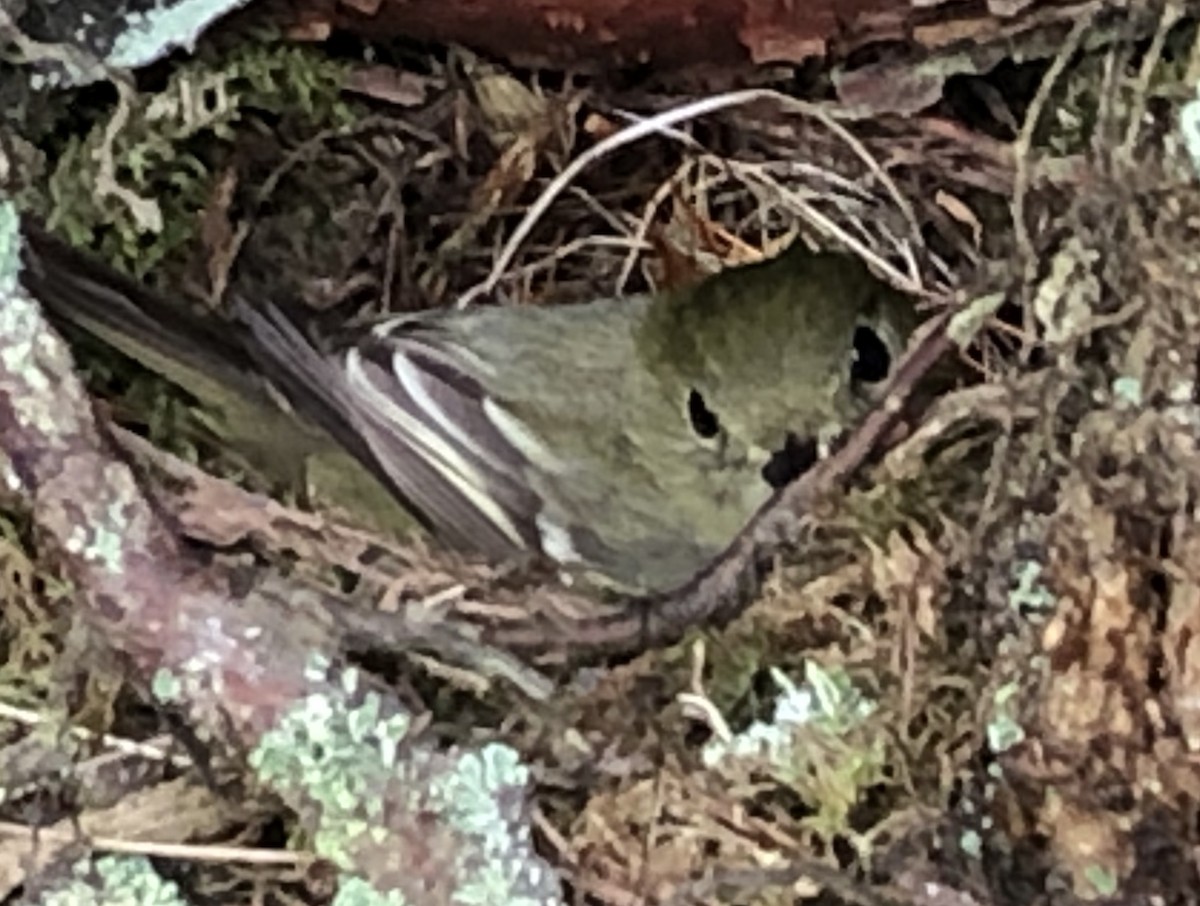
pixel 974 673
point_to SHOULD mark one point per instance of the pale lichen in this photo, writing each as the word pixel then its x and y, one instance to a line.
pixel 1189 128
pixel 1030 595
pixel 166 687
pixel 354 891
pixel 115 881
pixel 10 247
pixel 1004 730
pixel 341 750
pixel 818 743
pixel 154 33
pixel 92 43
pixel 24 339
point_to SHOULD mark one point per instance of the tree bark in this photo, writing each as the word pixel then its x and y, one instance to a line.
pixel 681 33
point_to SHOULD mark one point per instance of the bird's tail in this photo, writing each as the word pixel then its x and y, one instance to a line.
pixel 84 296
pixel 204 354
pixel 273 397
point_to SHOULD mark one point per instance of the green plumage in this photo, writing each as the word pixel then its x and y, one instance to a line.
pixel 643 499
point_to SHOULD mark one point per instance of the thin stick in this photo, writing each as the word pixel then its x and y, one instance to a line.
pixel 1133 127
pixel 190 851
pixel 1024 142
pixel 661 123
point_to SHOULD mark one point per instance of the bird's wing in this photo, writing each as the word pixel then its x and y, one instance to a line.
pixel 420 420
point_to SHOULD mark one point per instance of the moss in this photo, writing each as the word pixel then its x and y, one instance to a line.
pixel 152 162
pixel 819 744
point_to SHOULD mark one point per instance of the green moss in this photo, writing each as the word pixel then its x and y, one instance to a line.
pixel 132 178
pixel 149 165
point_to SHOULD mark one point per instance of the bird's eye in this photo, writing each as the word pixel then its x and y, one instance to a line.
pixel 704 422
pixel 872 360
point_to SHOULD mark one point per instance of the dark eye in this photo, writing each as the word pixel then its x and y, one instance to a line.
pixel 790 462
pixel 704 422
pixel 872 361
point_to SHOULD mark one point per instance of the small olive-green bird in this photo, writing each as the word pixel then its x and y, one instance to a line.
pixel 627 439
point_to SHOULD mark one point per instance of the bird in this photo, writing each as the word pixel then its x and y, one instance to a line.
pixel 625 439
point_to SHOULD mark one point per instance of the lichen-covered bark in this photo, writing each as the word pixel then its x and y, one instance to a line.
pixel 717 33
pixel 125 34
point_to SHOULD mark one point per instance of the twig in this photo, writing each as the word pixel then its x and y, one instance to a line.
pixel 192 852
pixel 1167 20
pixel 120 744
pixel 832 229
pixel 649 212
pixel 661 123
pixel 1022 147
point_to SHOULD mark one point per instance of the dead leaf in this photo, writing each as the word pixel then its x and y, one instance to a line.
pixel 388 84
pixel 957 208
